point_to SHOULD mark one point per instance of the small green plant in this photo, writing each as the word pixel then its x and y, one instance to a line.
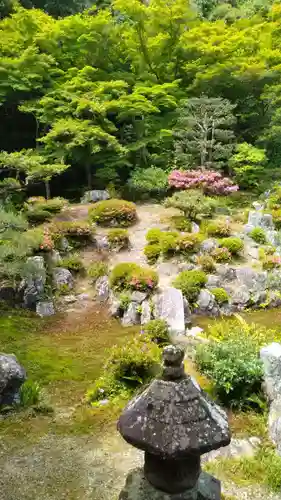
pixel 258 235
pixel 113 213
pixel 152 252
pixel 276 217
pixel 157 331
pixel 181 223
pixel 130 276
pixel 221 255
pixel 169 243
pixel 207 263
pixel 97 270
pixel 153 235
pixel 30 394
pixel 190 283
pixel 188 243
pixel 220 295
pixel 37 215
pixel 218 229
pixel 72 263
pixel 235 369
pixel 118 238
pixel 234 245
pixel 124 299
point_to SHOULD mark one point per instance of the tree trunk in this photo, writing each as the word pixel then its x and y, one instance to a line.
pixel 47 189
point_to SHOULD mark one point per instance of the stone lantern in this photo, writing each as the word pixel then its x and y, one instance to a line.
pixel 174 422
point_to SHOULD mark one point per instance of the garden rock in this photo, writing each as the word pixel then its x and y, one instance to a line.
pixel 273 298
pixel 102 288
pixel 169 305
pixel 195 228
pixel 45 308
pixel 206 304
pixel 168 269
pixel 101 242
pixel 271 358
pixel 115 309
pixel 226 272
pixel 258 298
pixel 241 297
pixel 236 449
pixel 207 246
pixel 252 279
pixel 55 257
pixel 12 376
pixel 187 311
pixel 228 309
pixel 274 423
pixel 64 245
pixel 145 312
pixel 132 315
pixel 138 297
pixel 63 278
pixel 214 281
pixel 95 195
pixel 274 280
pixel 69 299
pixel 34 284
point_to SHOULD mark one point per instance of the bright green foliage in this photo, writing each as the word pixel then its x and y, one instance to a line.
pixel 258 235
pixel 157 330
pixel 97 270
pixel 149 182
pixel 113 213
pixel 271 262
pixel 274 201
pixel 192 203
pixel 128 367
pixel 234 245
pixel 130 276
pixel 72 262
pixel 203 133
pixel 118 238
pixel 188 243
pixel 38 215
pixel 169 243
pixel 276 217
pixel 220 295
pixel 249 164
pixel 53 206
pixel 152 252
pixel 221 255
pixel 235 369
pixel 207 263
pixel 180 223
pixel 218 229
pixel 30 394
pixel 153 235
pixel 190 283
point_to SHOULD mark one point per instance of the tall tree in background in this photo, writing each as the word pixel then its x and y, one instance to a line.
pixel 204 135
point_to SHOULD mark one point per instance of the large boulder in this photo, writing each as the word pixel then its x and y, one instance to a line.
pixel 253 280
pixel 274 423
pixel 169 305
pixel 12 376
pixel 241 297
pixel 102 288
pixel 95 195
pixel 226 272
pixel 214 281
pixel 63 278
pixel 206 304
pixel 271 359
pixel 131 315
pixel 138 297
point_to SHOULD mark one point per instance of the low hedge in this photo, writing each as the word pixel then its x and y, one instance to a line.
pixel 130 276
pixel 152 252
pixel 190 283
pixel 113 213
pixel 234 245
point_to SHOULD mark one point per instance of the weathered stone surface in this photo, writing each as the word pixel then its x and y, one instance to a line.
pixel 274 423
pixel 145 312
pixel 228 309
pixel 102 288
pixel 95 195
pixel 236 449
pixel 214 281
pixel 226 272
pixel 45 308
pixel 101 242
pixel 273 298
pixel 274 280
pixel 168 305
pixel 253 280
pixel 257 205
pixel 241 296
pixel 55 257
pixel 253 252
pixel 187 311
pixel 34 284
pixel 195 228
pixel 115 307
pixel 258 219
pixel 138 297
pixel 168 268
pixel 12 376
pixel 258 298
pixel 187 266
pixel 63 277
pixel 208 245
pixel 206 300
pixel 209 488
pixel 271 359
pixel 132 315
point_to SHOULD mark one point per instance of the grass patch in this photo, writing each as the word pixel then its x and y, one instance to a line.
pixel 248 423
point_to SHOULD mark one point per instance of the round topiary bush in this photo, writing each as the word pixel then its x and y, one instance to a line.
pixel 188 243
pixel 118 238
pixel 113 213
pixel 153 235
pixel 181 223
pixel 169 243
pixel 207 263
pixel 130 276
pixel 220 295
pixel 152 252
pixel 78 233
pixel 234 245
pixel 218 229
pixel 221 255
pixel 258 235
pixel 190 283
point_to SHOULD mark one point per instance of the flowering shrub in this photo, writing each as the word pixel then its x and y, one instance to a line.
pixel 210 181
pixel 234 245
pixel 79 233
pixel 130 276
pixel 271 262
pixel 113 213
pixel 221 255
pixel 47 244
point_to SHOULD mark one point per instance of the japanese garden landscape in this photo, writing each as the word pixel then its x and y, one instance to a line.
pixel 140 208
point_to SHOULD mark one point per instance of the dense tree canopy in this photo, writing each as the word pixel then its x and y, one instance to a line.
pixel 115 88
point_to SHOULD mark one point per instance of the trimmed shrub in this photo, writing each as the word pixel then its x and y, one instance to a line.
pixel 152 252
pixel 118 238
pixel 193 204
pixel 148 182
pixel 220 295
pixel 181 223
pixel 188 243
pixel 218 229
pixel 72 263
pixel 221 255
pixel 276 217
pixel 79 233
pixel 234 245
pixel 157 331
pixel 153 235
pixel 97 270
pixel 207 263
pixel 190 283
pixel 211 181
pixel 37 215
pixel 271 262
pixel 128 367
pixel 130 276
pixel 169 243
pixel 258 235
pixel 235 369
pixel 113 213
pixel 54 205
